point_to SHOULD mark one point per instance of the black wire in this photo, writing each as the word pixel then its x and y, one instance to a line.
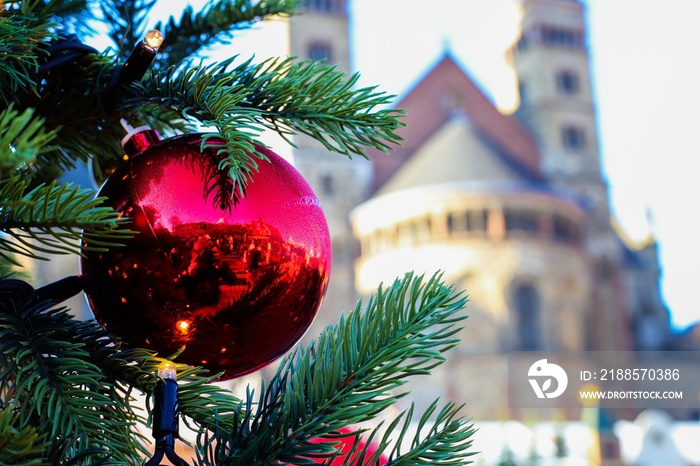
pixel 62 51
pixel 15 290
pixel 58 291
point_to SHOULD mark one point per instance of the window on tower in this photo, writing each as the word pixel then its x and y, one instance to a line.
pixel 522 221
pixel 573 138
pixel 477 220
pixel 561 37
pixel 522 42
pixel 327 185
pixel 567 82
pixel 326 6
pixel 564 230
pixel 527 317
pixel 320 51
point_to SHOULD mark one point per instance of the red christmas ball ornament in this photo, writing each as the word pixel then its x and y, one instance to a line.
pixel 237 281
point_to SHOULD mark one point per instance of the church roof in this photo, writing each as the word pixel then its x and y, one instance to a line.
pixel 445 90
pixel 456 152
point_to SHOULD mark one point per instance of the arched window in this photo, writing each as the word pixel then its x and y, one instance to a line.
pixel 606 269
pixel 326 6
pixel 320 51
pixel 527 317
pixel 573 138
pixel 567 82
pixel 476 220
pixel 327 184
pixel 564 230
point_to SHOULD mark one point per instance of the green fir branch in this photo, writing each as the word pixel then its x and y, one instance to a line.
pixel 348 376
pixel 51 219
pixel 126 18
pixel 43 19
pixel 215 24
pixel 22 138
pixel 315 99
pixel 284 96
pixel 81 355
pixel 308 98
pixel 202 404
pixel 19 446
pixel 71 101
pixel 20 46
pixel 68 103
pixel 58 391
pixel 58 10
pixel 447 441
pixel 184 37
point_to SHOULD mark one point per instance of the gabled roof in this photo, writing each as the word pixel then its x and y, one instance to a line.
pixel 445 89
pixel 455 153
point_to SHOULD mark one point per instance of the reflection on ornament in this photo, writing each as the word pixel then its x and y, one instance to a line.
pixel 183 325
pixel 235 281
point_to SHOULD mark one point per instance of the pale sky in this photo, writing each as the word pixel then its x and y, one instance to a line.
pixel 646 76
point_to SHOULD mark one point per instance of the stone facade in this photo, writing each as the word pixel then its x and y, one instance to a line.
pixel 512 208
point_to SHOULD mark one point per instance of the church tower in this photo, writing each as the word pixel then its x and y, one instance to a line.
pixel 321 32
pixel 556 99
pixel 556 103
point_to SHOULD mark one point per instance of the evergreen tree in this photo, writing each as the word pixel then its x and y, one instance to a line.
pixel 67 386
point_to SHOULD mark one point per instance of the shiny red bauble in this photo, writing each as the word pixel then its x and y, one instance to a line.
pixel 236 281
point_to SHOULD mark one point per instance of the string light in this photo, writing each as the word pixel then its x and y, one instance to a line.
pixel 166 416
pixel 140 59
pixel 153 39
pixel 134 69
pixel 166 370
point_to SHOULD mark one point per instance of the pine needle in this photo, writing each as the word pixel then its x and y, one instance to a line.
pixel 51 219
pixel 22 137
pixel 216 24
pixel 349 376
pixel 282 95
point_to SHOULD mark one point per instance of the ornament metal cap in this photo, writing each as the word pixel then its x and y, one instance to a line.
pixel 137 139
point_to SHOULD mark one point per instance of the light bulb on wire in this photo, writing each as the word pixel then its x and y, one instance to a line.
pixel 140 59
pixel 153 39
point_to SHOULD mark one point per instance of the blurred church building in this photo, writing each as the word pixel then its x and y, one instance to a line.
pixel 513 208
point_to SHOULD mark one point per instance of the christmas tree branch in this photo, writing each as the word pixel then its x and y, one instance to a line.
pixel 446 442
pixel 53 386
pixel 20 47
pixel 348 376
pixel 19 443
pixel 215 24
pixel 68 388
pixel 288 97
pixel 22 138
pixel 51 219
pixel 126 18
pixel 203 405
pixel 58 10
pixel 47 355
